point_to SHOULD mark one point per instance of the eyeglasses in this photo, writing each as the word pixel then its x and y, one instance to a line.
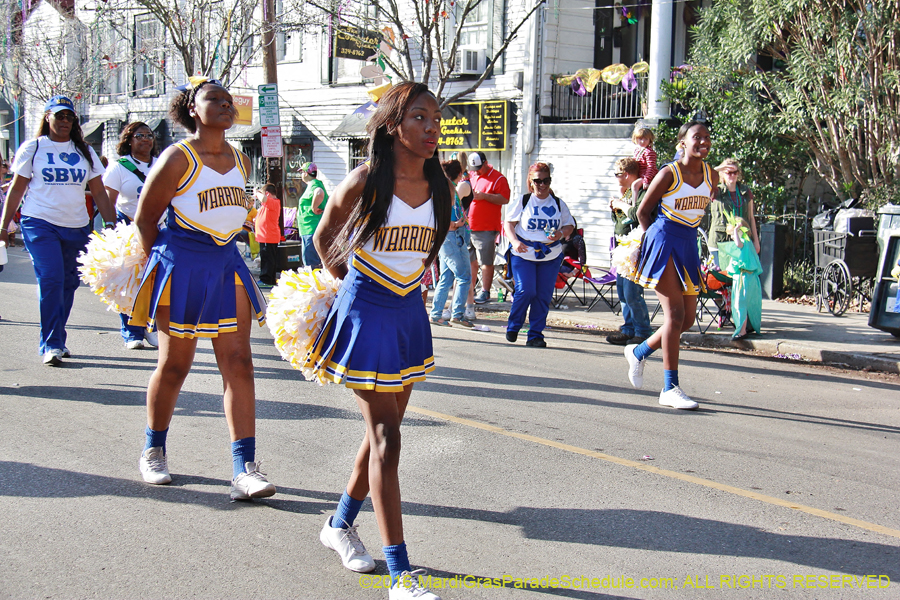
pixel 622 174
pixel 142 136
pixel 65 116
pixel 545 181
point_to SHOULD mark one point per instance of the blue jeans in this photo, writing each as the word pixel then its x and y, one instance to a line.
pixel 54 251
pixel 130 333
pixel 533 292
pixel 634 309
pixel 454 257
pixel 310 256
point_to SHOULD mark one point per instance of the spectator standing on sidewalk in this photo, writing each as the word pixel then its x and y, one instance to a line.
pixel 53 169
pixel 309 213
pixel 491 192
pixel 124 181
pixel 454 257
pixel 535 225
pixel 268 234
pixel 636 328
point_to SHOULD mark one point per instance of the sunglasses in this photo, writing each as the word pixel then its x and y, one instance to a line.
pixel 65 116
pixel 142 136
pixel 545 181
pixel 622 174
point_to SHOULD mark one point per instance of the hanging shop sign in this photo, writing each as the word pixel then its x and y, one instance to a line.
pixel 356 43
pixel 244 106
pixel 475 126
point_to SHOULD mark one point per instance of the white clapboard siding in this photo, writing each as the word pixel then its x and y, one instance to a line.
pixel 583 177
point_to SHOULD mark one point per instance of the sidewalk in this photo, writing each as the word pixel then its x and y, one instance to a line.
pixel 789 330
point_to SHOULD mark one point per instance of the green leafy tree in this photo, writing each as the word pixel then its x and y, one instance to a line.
pixel 819 78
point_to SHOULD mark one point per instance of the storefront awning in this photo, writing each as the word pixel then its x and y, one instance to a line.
pixel 91 127
pixel 354 124
pixel 244 132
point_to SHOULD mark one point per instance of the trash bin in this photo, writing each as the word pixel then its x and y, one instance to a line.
pixel 888 224
pixel 289 256
pixel 772 241
pixel 885 311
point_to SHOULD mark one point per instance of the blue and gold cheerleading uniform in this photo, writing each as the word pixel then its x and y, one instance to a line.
pixel 195 266
pixel 674 234
pixel 377 335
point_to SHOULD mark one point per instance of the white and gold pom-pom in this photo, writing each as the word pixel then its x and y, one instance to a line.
pixel 297 309
pixel 112 265
pixel 626 255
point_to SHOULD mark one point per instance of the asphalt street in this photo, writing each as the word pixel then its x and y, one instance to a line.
pixel 539 471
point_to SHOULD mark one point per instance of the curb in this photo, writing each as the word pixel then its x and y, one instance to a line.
pixel 786 348
pixel 837 358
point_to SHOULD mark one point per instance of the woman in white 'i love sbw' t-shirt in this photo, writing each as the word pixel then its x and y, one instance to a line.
pixel 51 172
pixel 124 181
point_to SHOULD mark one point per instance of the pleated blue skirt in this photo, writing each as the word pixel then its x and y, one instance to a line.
pixel 373 338
pixel 198 280
pixel 667 239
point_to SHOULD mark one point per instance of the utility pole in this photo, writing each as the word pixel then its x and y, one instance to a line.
pixel 270 73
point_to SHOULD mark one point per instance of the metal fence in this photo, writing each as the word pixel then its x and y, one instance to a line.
pixel 607 103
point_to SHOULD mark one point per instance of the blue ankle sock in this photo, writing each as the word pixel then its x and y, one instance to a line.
pixel 155 438
pixel 242 451
pixel 642 351
pixel 670 379
pixel 397 560
pixel 346 512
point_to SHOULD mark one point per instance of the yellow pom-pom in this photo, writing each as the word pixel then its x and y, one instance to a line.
pixel 296 312
pixel 626 255
pixel 112 264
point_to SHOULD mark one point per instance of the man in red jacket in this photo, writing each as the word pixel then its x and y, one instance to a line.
pixel 491 191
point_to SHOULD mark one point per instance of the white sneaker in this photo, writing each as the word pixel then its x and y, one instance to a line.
pixel 154 466
pixel 349 547
pixel 252 484
pixel 446 315
pixel 53 358
pixel 151 339
pixel 470 312
pixel 677 399
pixel 408 586
pixel 135 345
pixel 635 367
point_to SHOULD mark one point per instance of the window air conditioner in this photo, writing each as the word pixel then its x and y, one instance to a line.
pixel 470 60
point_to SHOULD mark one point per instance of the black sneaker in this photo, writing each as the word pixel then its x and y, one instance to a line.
pixel 512 336
pixel 618 339
pixel 536 343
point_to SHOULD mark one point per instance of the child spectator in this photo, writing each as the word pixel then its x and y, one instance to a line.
pixel 268 234
pixel 646 157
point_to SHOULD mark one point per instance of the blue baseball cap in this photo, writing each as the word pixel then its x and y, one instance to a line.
pixel 58 103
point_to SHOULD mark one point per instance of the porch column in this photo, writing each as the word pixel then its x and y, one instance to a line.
pixel 660 57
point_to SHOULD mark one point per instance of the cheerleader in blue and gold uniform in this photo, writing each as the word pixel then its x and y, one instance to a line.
pixel 384 225
pixel 196 283
pixel 670 261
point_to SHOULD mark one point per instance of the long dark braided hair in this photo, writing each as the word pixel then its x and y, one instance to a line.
pixel 74 134
pixel 370 211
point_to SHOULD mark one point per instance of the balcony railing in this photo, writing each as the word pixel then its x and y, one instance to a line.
pixel 605 104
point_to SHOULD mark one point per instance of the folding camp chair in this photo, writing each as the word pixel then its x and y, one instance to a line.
pixel 590 291
pixel 715 303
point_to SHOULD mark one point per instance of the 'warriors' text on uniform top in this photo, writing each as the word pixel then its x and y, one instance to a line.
pixel 218 197
pixel 404 238
pixel 692 203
